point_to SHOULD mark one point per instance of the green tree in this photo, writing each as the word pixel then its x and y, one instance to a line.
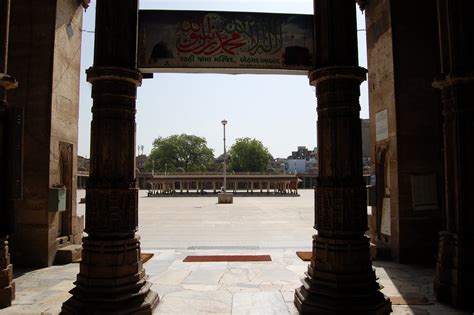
pixel 180 152
pixel 249 155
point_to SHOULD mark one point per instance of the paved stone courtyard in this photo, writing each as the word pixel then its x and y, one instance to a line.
pixel 173 228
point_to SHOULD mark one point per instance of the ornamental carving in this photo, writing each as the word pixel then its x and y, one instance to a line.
pixel 340 210
pixel 111 211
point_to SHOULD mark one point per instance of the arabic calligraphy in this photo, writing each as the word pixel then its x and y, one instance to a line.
pixel 227 41
pixel 263 36
pixel 212 35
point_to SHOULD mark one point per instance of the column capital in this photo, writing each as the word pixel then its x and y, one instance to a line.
pixel 95 74
pixel 362 4
pixel 337 73
pixel 8 82
pixel 84 3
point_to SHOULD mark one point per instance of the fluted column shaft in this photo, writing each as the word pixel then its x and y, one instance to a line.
pixel 112 279
pixel 340 278
pixel 454 281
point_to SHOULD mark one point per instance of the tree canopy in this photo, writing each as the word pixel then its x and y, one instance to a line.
pixel 249 155
pixel 187 152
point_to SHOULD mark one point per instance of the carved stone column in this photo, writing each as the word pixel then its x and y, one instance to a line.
pixel 111 278
pixel 454 281
pixel 7 286
pixel 340 277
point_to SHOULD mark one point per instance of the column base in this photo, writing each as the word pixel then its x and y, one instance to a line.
pixel 111 280
pixel 454 281
pixel 308 302
pixel 7 286
pixel 142 304
pixel 341 280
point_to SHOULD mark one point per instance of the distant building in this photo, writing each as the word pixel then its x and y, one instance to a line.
pixel 301 153
pixel 301 161
pixel 365 138
pixel 297 166
pixel 83 164
pixel 140 162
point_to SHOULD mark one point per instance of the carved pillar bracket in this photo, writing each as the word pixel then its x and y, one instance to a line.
pixel 111 278
pixel 330 73
pixel 95 74
pixel 7 82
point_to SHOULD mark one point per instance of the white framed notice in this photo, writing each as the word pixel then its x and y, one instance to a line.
pixel 385 226
pixel 381 125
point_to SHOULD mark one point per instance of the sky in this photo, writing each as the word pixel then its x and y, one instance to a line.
pixel 279 110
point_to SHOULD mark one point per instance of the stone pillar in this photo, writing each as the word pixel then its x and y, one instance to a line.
pixel 340 277
pixel 454 281
pixel 111 278
pixel 7 286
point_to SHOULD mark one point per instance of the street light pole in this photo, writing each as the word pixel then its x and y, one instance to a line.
pixel 224 122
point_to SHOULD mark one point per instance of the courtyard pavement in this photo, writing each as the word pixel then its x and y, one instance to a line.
pixel 173 228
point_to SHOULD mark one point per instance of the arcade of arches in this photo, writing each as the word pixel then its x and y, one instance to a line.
pixel 421 91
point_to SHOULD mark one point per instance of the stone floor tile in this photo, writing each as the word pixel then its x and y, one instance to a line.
pixel 292 308
pixel 194 302
pixel 242 287
pixel 201 287
pixel 164 289
pixel 171 277
pixel 288 295
pixel 258 303
pixel 279 275
pixel 298 269
pixel 206 276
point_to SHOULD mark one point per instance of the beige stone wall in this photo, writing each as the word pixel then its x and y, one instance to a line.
pixel 381 81
pixel 46 63
pixel 402 62
pixel 65 102
pixel 419 129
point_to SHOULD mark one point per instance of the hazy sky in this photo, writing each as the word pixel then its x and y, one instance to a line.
pixel 278 110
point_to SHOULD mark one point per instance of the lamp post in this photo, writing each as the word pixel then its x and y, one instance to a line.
pixel 224 122
pixel 223 196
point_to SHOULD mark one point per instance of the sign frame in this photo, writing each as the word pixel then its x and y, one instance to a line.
pixel 225 42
